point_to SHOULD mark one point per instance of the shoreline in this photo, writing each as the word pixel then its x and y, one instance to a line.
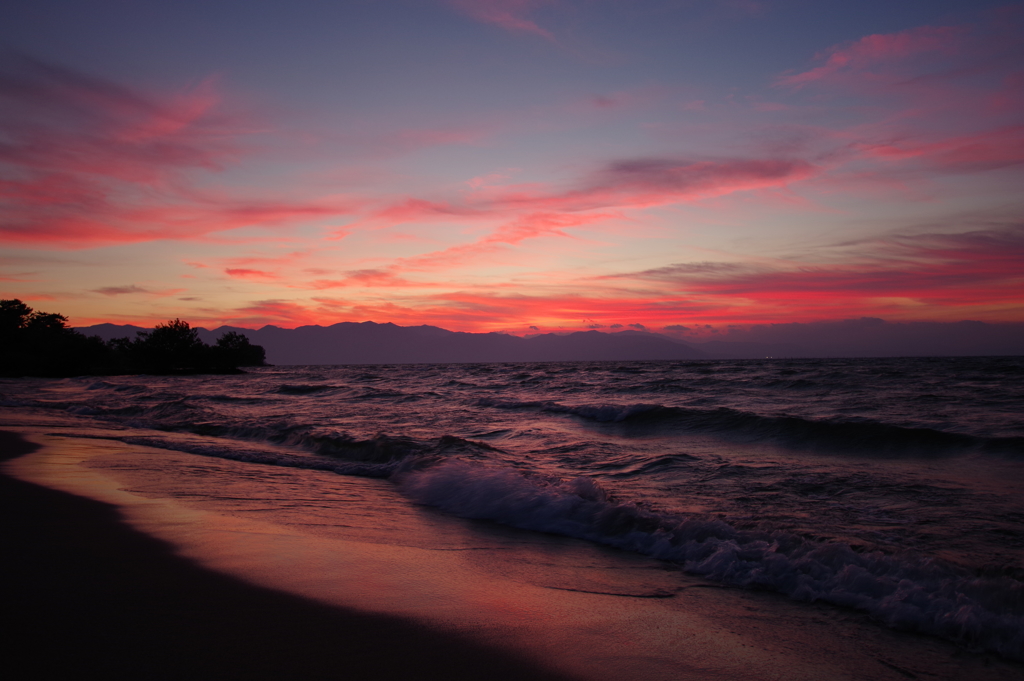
pixel 107 598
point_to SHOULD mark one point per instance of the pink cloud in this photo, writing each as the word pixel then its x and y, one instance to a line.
pixel 376 278
pixel 91 219
pixel 485 311
pixel 62 120
pixel 511 15
pixel 252 275
pixel 464 310
pixel 490 179
pixel 871 53
pixel 91 163
pixel 279 312
pixel 983 151
pixel 633 183
pixel 530 226
pixel 536 210
pixel 937 276
pixel 282 260
pixel 412 210
pixel 979 269
pixel 649 182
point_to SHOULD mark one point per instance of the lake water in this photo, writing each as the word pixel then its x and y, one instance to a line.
pixel 891 486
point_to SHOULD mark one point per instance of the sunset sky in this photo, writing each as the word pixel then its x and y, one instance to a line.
pixel 513 165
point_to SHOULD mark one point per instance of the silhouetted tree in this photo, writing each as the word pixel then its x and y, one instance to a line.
pixel 14 315
pixel 235 349
pixel 173 347
pixel 42 344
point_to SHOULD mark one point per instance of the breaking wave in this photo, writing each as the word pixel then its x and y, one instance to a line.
pixel 901 590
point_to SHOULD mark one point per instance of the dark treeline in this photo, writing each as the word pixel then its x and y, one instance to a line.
pixel 42 344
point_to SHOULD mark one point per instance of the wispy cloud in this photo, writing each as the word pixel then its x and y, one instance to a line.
pixel 876 56
pixel 532 211
pixel 511 15
pixel 375 278
pixel 252 275
pixel 979 269
pixel 87 162
pixel 133 289
pixel 120 290
pixel 987 150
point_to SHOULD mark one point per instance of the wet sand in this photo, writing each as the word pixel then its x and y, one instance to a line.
pixel 85 592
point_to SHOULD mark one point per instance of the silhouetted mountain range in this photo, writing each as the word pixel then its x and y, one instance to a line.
pixel 387 343
pixel 372 343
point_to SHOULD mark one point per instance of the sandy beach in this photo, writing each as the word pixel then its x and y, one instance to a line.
pixel 205 591
pixel 86 592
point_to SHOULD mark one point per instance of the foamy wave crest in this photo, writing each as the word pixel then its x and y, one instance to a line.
pixel 905 592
